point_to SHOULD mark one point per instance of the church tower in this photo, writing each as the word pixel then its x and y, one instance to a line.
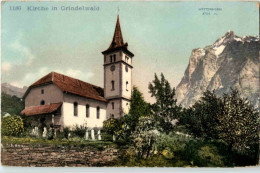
pixel 117 75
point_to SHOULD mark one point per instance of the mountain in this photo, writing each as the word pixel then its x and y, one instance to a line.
pixel 13 90
pixel 232 61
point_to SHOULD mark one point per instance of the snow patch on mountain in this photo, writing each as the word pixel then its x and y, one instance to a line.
pixel 230 62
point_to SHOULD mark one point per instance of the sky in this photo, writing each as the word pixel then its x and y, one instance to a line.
pixel 160 34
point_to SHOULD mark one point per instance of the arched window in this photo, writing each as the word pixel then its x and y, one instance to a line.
pixel 87 110
pixel 113 105
pixel 42 102
pixel 126 85
pixel 75 109
pixel 42 91
pixel 113 85
pixel 112 116
pixel 98 112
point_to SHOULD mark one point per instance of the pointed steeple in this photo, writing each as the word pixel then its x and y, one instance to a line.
pixel 117 42
pixel 118 38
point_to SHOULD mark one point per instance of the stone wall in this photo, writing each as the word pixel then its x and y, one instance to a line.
pixel 43 156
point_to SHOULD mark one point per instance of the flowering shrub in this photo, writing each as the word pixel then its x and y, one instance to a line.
pixel 12 126
pixel 145 135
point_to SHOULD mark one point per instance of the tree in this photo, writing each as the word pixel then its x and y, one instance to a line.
pixel 238 126
pixel 145 135
pixel 11 104
pixel 201 119
pixel 12 126
pixel 138 108
pixel 111 126
pixel 165 107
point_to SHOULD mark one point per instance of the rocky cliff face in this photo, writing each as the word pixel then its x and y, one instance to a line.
pixel 12 90
pixel 231 61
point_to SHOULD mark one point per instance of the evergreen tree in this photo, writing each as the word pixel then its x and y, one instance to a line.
pixel 201 119
pixel 138 108
pixel 165 108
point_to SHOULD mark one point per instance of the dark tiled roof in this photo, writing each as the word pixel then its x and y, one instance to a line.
pixel 118 41
pixel 72 85
pixel 42 109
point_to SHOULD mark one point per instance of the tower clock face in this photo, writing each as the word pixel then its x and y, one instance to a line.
pixel 126 68
pixel 112 68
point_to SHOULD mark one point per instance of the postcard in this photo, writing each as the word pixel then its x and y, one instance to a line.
pixel 130 84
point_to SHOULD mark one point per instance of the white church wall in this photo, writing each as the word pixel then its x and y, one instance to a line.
pixel 68 112
pixel 52 94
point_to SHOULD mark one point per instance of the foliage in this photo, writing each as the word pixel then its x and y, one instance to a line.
pixel 66 132
pixel 145 135
pixel 239 124
pixel 124 127
pixel 209 156
pixel 138 108
pixel 230 119
pixel 165 108
pixel 79 131
pixel 171 143
pixel 11 104
pixel 12 126
pixel 56 142
pixel 201 119
pixel 206 154
pixel 111 126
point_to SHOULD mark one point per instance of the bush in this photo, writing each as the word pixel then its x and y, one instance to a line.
pixel 79 131
pixel 209 156
pixel 111 126
pixel 12 126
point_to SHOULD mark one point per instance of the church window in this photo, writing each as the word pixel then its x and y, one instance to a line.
pixel 75 109
pixel 114 58
pixel 87 110
pixel 113 105
pixel 98 112
pixel 113 85
pixel 126 85
pixel 111 58
pixel 42 102
pixel 42 91
pixel 126 58
pixel 112 116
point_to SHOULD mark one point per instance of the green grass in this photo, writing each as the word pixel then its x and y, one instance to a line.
pixel 56 142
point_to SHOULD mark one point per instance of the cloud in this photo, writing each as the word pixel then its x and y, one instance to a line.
pixel 22 49
pixel 30 78
pixel 6 66
pixel 76 74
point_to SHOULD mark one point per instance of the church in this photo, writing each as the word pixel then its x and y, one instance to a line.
pixel 63 101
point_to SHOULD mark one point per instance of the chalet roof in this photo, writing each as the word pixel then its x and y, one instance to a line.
pixel 71 85
pixel 42 109
pixel 118 41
